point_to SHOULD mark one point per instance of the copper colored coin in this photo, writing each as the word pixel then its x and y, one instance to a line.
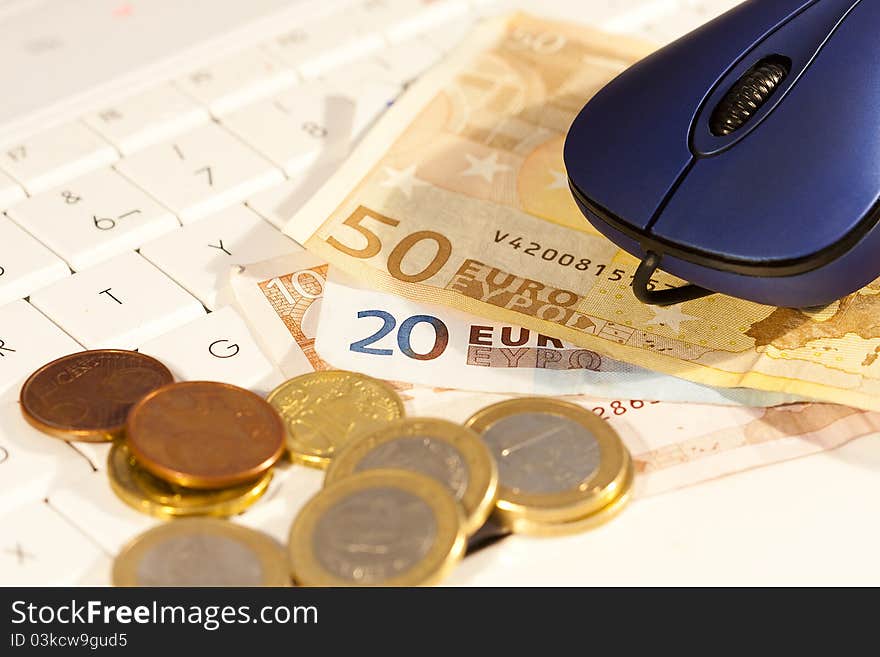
pixel 87 395
pixel 202 434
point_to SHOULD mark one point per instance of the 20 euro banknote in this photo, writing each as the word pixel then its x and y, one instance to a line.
pixel 458 196
pixel 384 335
pixel 673 444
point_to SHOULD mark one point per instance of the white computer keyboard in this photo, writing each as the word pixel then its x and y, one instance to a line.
pixel 171 141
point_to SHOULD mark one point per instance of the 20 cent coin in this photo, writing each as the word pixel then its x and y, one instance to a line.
pixel 324 410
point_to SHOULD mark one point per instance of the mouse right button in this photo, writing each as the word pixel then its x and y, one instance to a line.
pixel 631 143
pixel 802 189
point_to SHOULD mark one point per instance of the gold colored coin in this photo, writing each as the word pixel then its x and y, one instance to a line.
pixel 378 528
pixel 611 510
pixel 557 462
pixel 201 552
pixel 156 497
pixel 324 410
pixel 448 452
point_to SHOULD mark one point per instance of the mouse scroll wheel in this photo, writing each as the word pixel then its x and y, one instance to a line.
pixel 747 96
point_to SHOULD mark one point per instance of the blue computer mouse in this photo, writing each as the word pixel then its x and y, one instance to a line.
pixel 744 157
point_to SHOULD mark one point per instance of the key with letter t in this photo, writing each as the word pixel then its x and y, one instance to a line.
pixel 120 303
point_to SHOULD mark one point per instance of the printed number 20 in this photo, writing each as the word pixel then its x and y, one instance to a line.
pixel 404 335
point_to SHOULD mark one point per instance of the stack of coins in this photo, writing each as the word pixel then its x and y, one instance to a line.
pixel 562 469
pixel 196 448
pixel 180 449
pixel 401 497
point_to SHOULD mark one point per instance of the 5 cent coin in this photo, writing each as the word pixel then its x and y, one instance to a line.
pixel 87 395
pixel 202 434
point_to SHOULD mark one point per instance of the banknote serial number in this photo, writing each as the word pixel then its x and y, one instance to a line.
pixel 619 407
pixel 565 259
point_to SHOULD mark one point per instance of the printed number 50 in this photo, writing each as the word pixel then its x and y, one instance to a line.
pixel 398 253
pixel 404 335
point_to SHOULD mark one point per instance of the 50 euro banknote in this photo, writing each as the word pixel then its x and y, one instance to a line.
pixel 385 335
pixel 458 196
pixel 674 445
pixel 307 316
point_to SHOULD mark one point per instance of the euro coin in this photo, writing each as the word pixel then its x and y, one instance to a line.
pixel 526 526
pixel 148 494
pixel 201 552
pixel 324 410
pixel 86 396
pixel 377 528
pixel 201 434
pixel 557 462
pixel 448 452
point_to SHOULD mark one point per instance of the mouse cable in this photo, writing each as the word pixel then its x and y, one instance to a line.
pixel 642 278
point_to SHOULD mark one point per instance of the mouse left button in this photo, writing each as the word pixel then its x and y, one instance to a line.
pixel 620 164
pixel 630 145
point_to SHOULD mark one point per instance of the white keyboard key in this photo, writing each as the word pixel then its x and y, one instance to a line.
pixel 147 118
pixel 404 19
pixel 25 264
pixel 217 347
pixel 371 98
pixel 57 155
pixel 65 57
pixel 28 340
pixel 297 129
pixel 200 255
pixel 120 303
pixel 318 47
pixel 91 505
pixel 404 62
pixel 98 573
pixel 279 204
pixel 31 462
pixel 93 218
pixel 94 454
pixel 236 81
pixel 10 191
pixel 311 125
pixel 200 172
pixel 38 546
